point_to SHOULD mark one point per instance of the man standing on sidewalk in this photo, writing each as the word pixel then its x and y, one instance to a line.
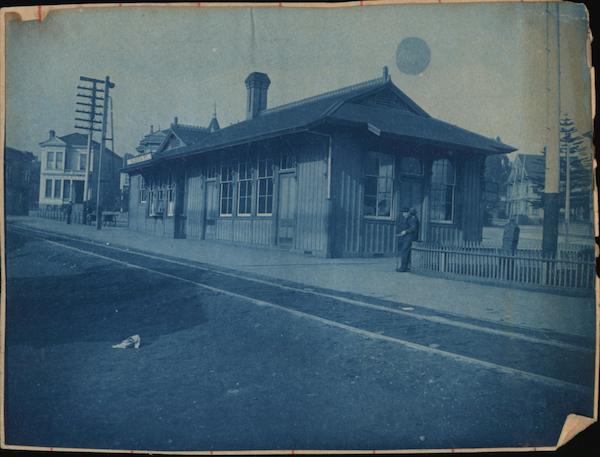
pixel 407 231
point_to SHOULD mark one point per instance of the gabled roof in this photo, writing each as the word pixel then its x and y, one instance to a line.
pixel 79 139
pixel 53 141
pixel 186 134
pixel 397 114
pixel 534 165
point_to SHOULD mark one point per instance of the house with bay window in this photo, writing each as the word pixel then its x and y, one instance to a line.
pixel 326 175
pixel 64 170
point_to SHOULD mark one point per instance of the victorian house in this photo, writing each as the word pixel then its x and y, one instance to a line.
pixel 64 173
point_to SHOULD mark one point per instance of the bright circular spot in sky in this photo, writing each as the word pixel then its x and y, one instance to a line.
pixel 413 56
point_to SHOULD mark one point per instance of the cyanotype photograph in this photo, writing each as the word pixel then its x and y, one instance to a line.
pixel 287 228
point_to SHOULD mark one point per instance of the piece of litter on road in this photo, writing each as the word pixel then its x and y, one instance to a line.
pixel 422 438
pixel 408 308
pixel 133 341
pixel 434 345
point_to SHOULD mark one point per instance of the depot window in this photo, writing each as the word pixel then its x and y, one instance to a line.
pixel 244 189
pixel 443 183
pixel 227 189
pixel 379 184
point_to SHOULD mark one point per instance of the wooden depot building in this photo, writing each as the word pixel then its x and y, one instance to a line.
pixel 327 175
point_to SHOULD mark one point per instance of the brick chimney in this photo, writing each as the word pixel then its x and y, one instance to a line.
pixel 257 85
pixel 52 134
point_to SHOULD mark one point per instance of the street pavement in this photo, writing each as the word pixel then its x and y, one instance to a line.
pixel 370 277
pixel 230 359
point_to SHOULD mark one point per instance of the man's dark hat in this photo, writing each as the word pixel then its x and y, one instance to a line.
pixel 405 210
pixel 413 211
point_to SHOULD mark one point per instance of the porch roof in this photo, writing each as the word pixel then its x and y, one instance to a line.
pixel 427 129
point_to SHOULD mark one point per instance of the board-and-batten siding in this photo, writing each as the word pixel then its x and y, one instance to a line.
pixel 311 218
pixel 138 219
pixel 347 192
pixel 194 202
pixel 472 222
pixel 137 210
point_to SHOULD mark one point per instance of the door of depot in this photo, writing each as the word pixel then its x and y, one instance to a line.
pixel 212 210
pixel 411 196
pixel 286 210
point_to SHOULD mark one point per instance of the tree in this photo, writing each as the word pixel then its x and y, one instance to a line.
pixel 575 170
pixel 578 173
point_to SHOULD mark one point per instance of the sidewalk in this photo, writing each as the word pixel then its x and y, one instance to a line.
pixel 365 276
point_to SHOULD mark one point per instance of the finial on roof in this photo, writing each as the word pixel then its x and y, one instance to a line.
pixel 386 73
pixel 214 123
pixel 151 128
pixel 175 120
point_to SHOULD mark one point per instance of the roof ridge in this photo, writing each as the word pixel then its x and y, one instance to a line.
pixel 340 91
pixel 189 126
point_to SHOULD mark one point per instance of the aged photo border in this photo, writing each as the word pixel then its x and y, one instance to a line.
pixel 573 424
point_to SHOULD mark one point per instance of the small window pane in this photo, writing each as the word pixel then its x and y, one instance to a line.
pixel 57 188
pixel 411 166
pixel 66 189
pixel 59 160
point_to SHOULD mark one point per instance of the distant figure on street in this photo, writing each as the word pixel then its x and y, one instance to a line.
pixel 69 211
pixel 407 231
pixel 510 238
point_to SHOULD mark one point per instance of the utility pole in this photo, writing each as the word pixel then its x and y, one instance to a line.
pixel 89 100
pixel 95 95
pixel 552 156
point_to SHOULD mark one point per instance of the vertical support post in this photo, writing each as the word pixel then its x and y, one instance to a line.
pixel 552 156
pixel 86 183
pixel 426 210
pixel 107 86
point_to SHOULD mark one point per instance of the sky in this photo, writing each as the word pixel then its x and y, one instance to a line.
pixel 486 71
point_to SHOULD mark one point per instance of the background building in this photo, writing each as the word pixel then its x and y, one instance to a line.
pixel 64 164
pixel 523 196
pixel 21 178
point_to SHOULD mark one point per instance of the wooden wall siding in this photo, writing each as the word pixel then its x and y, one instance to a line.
pixel 138 219
pixel 224 229
pixel 348 194
pixel 137 212
pixel 193 206
pixel 311 169
pixel 242 228
pixel 262 233
pixel 445 233
pixel 472 209
pixel 379 237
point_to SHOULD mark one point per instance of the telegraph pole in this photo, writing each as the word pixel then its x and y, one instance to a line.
pixel 90 96
pixel 552 156
pixel 94 94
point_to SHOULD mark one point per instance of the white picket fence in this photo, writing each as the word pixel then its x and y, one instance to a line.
pixel 570 269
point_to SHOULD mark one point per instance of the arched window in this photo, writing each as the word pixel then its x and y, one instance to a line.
pixel 443 179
